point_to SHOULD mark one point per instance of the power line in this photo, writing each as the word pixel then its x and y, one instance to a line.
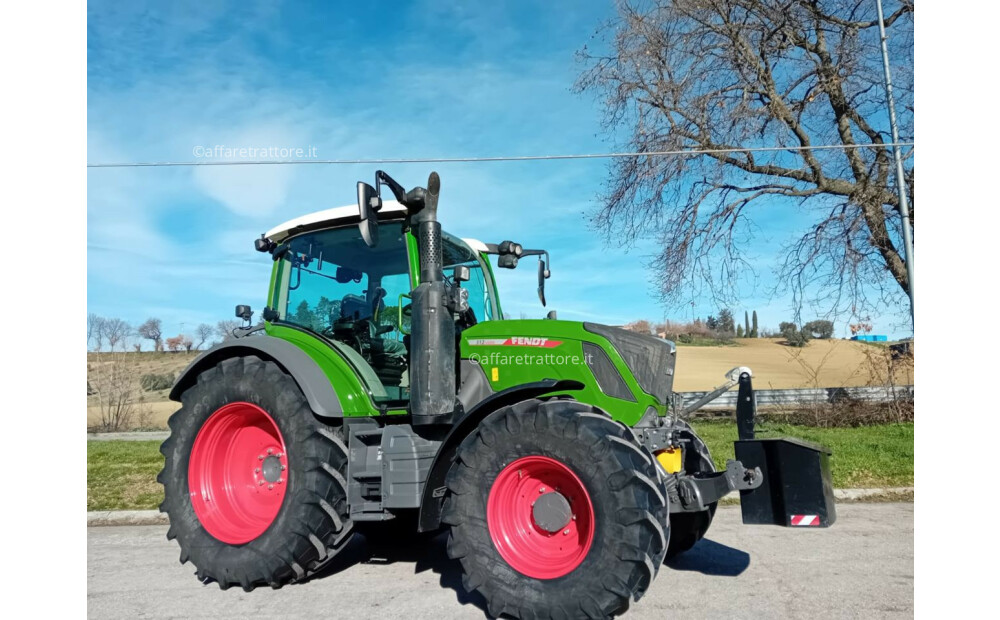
pixel 453 160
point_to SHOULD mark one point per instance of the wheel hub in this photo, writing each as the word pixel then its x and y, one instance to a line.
pixel 552 512
pixel 272 468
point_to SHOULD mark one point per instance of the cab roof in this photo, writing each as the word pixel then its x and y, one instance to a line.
pixel 329 218
pixel 340 216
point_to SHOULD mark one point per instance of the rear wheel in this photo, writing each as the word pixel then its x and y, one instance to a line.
pixel 254 485
pixel 687 528
pixel 555 510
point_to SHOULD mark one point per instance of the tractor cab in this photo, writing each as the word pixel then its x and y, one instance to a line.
pixel 329 282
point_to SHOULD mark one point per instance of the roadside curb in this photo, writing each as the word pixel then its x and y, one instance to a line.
pixel 101 518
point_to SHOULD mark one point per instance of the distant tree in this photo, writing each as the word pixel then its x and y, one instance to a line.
pixel 327 311
pixel 753 331
pixel 739 331
pixel 819 329
pixel 95 331
pixel 792 335
pixel 225 328
pixel 203 332
pixel 726 323
pixel 712 323
pixel 137 346
pixel 152 329
pixel 863 327
pixel 303 315
pixel 176 343
pixel 116 332
pixel 641 326
pixel 187 343
pixel 786 327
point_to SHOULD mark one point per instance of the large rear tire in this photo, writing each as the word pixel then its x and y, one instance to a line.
pixel 687 528
pixel 555 510
pixel 254 484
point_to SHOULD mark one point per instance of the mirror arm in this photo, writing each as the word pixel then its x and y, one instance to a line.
pixel 397 189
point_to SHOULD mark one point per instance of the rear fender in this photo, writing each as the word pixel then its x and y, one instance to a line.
pixel 311 379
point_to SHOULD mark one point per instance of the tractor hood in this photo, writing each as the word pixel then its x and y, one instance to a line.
pixel 624 373
pixel 650 359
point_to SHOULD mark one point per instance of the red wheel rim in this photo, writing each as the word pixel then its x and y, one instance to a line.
pixel 529 548
pixel 237 474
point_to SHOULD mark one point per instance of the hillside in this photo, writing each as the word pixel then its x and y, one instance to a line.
pixel 821 363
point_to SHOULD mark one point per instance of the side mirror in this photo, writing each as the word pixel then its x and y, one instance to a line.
pixel 369 203
pixel 244 312
pixel 264 244
pixel 542 274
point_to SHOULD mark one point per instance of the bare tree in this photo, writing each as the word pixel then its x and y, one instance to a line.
pixel 113 378
pixel 152 329
pixel 176 343
pixel 187 343
pixel 116 332
pixel 95 331
pixel 717 75
pixel 203 333
pixel 225 328
pixel 642 326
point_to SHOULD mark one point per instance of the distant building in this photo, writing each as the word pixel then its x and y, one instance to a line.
pixel 869 338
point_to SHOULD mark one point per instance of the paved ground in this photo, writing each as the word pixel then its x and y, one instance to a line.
pixel 862 567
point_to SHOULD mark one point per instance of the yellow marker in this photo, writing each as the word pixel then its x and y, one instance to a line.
pixel 496 373
pixel 670 459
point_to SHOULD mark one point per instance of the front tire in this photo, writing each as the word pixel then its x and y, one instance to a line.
pixel 254 485
pixel 687 528
pixel 555 510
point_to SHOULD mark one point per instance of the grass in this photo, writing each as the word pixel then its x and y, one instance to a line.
pixel 121 475
pixel 863 457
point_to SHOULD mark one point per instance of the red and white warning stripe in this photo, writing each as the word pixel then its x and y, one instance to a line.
pixel 805 519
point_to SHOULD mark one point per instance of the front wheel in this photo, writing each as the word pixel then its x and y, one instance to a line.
pixel 253 484
pixel 555 510
pixel 687 528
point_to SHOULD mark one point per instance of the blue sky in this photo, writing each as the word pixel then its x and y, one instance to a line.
pixel 355 80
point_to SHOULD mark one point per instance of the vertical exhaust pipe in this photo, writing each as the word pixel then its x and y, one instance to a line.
pixel 432 339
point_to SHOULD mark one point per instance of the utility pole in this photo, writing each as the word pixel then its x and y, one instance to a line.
pixel 904 207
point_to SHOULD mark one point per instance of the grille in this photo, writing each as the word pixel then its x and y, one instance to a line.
pixel 650 359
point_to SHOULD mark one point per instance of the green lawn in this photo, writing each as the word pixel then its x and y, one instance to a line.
pixel 863 457
pixel 121 475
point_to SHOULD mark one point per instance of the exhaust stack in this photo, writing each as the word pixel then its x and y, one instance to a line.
pixel 432 340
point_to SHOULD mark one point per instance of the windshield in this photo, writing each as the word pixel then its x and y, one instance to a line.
pixel 333 284
pixel 457 252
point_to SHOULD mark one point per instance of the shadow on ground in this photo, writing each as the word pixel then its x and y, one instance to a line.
pixel 711 558
pixel 386 544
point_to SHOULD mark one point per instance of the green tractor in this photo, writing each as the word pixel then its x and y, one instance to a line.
pixel 384 384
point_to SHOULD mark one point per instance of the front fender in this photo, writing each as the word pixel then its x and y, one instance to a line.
pixel 311 379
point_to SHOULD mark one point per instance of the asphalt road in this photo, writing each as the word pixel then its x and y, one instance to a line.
pixel 861 567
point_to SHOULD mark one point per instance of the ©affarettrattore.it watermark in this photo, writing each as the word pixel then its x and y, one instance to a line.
pixel 223 151
pixel 548 359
